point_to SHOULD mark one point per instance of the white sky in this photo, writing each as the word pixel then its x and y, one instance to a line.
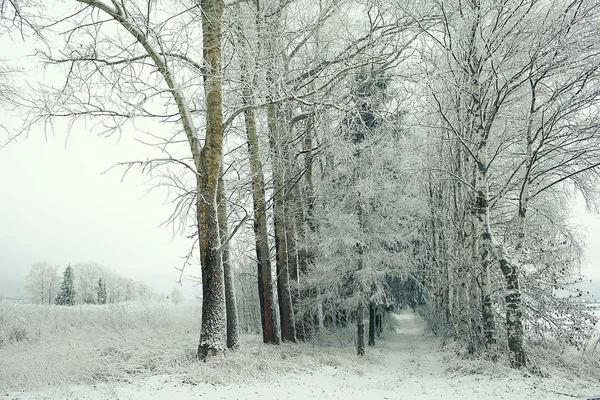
pixel 590 225
pixel 58 207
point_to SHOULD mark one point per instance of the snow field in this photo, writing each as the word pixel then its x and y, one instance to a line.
pixel 146 351
pixel 122 343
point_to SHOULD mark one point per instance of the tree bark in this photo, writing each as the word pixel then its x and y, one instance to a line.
pixel 372 317
pixel 483 229
pixel 360 328
pixel 269 36
pixel 233 341
pixel 207 160
pixel 265 283
pixel 514 325
pixel 307 258
pixel 213 332
pixel 286 310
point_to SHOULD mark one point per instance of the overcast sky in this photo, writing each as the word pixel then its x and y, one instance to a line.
pixel 58 207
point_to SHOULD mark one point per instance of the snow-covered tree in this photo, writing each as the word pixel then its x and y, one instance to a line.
pixel 101 292
pixel 42 283
pixel 176 296
pixel 66 296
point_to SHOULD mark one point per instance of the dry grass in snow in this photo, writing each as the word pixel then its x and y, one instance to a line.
pixel 147 350
pixel 45 347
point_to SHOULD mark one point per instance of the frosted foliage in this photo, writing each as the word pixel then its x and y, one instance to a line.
pixel 118 288
pixel 42 283
pixel 176 296
pixel 381 184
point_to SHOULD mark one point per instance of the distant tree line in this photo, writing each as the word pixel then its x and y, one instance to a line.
pixel 81 283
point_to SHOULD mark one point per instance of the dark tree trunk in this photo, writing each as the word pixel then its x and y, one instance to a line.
pixel 284 293
pixel 277 136
pixel 265 283
pixel 379 323
pixel 372 312
pixel 360 329
pixel 309 227
pixel 514 326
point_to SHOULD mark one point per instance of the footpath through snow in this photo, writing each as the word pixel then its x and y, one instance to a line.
pixel 407 365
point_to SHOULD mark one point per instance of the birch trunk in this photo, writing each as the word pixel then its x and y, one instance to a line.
pixel 491 247
pixel 482 212
pixel 514 324
pixel 509 269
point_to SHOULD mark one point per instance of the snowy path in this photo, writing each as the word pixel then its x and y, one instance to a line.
pixel 408 365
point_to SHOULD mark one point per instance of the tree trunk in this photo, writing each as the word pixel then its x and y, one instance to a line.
pixel 489 323
pixel 372 316
pixel 514 325
pixel 265 282
pixel 301 244
pixel 270 37
pixel 286 310
pixel 291 235
pixel 213 332
pixel 480 135
pixel 309 200
pixel 482 213
pixel 360 328
pixel 509 268
pixel 233 341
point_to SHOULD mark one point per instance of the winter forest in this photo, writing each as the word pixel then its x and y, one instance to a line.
pixel 342 166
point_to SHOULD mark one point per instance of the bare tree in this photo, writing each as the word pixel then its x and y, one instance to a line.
pixel 42 283
pixel 495 55
pixel 145 24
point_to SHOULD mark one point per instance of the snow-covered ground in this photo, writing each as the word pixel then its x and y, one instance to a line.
pixel 409 364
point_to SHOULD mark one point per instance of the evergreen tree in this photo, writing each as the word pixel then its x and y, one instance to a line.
pixel 66 296
pixel 101 291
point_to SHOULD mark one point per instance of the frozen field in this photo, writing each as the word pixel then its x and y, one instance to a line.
pixel 150 355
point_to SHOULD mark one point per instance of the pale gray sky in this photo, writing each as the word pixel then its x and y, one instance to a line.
pixel 590 225
pixel 58 207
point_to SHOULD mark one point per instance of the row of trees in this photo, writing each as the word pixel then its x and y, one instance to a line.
pixel 381 152
pixel 82 283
